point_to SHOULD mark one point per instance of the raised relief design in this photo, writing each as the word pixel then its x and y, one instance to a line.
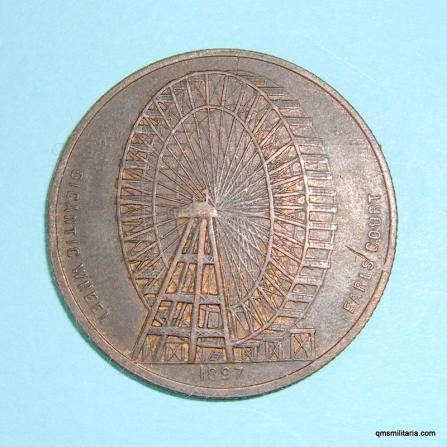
pixel 227 218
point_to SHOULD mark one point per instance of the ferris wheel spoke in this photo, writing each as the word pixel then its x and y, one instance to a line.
pixel 252 231
pixel 199 166
pixel 213 173
pixel 230 253
pixel 131 237
pixel 246 202
pixel 243 242
pixel 254 210
pixel 188 88
pixel 246 267
pixel 252 165
pixel 187 182
pixel 250 192
pixel 190 173
pixel 169 199
pixel 174 98
pixel 207 136
pixel 161 254
pixel 248 230
pixel 207 95
pixel 254 235
pixel 153 244
pixel 240 189
pixel 233 262
pixel 236 283
pixel 242 213
pixel 162 113
pixel 227 131
pixel 213 160
pixel 241 158
pixel 219 132
pixel 252 108
pixel 176 191
pixel 243 237
pixel 229 183
pixel 263 118
pixel 289 239
pixel 173 180
pixel 241 95
pixel 219 143
pixel 240 245
pixel 224 265
pixel 260 227
pixel 224 155
pixel 201 155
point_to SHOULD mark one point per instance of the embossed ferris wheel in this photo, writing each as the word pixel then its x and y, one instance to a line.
pixel 227 219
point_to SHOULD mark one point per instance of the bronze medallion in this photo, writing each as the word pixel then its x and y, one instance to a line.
pixel 222 223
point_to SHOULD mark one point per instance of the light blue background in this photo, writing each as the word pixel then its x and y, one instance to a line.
pixel 388 58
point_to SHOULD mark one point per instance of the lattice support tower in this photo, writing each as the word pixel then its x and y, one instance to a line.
pixel 198 234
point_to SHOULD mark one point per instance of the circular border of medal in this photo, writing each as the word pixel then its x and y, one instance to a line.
pixel 172 385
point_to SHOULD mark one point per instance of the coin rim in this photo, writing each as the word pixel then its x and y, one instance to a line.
pixel 191 390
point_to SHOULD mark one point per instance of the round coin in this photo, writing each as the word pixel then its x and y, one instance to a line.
pixel 222 223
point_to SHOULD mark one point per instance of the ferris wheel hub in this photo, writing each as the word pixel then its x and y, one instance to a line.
pixel 195 209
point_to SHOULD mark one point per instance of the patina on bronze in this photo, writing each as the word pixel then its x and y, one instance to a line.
pixel 222 223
